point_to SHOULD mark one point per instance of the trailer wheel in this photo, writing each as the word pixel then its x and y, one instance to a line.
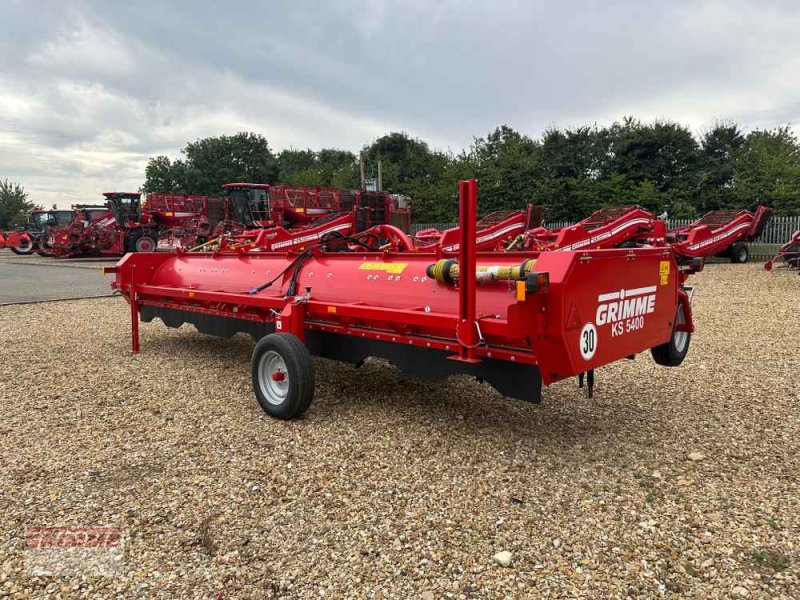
pixel 674 351
pixel 24 247
pixel 283 375
pixel 739 253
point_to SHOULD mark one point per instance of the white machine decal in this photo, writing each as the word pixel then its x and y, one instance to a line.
pixel 309 238
pixel 604 236
pixel 587 342
pixel 719 237
pixel 625 310
pixel 513 229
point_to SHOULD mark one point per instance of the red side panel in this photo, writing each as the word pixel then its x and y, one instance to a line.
pixel 602 307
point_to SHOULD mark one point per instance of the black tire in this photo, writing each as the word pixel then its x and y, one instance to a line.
pixel 130 241
pixel 674 351
pixel 136 240
pixel 739 253
pixel 290 397
pixel 24 250
pixel 145 243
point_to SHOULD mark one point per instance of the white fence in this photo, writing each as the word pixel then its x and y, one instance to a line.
pixel 777 232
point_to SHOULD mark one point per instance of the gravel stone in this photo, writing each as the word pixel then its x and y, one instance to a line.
pixel 390 487
pixel 503 558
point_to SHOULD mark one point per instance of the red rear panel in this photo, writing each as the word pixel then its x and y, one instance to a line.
pixel 602 307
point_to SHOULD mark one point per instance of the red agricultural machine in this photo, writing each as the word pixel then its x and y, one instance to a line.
pixel 183 220
pixel 18 241
pixel 281 218
pixel 717 233
pixel 788 254
pixel 33 237
pixel 495 231
pixel 513 319
pixel 44 224
pixel 119 227
pixel 247 213
pixel 721 233
pixel 604 228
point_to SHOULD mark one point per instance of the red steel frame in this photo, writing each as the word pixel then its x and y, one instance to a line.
pixel 496 323
pixel 467 334
pixel 605 228
pixel 501 232
pixel 715 232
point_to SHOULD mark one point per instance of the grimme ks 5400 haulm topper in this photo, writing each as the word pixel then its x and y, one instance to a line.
pixel 513 319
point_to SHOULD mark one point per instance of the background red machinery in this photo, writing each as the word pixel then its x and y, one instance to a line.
pixel 280 218
pixel 183 220
pixel 33 236
pixel 261 205
pixel 495 231
pixel 112 230
pixel 719 233
pixel 722 233
pixel 604 228
pixel 788 254
pixel 245 210
pixel 126 224
pixel 19 241
pixel 513 319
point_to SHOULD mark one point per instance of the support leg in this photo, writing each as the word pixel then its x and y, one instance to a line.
pixel 134 323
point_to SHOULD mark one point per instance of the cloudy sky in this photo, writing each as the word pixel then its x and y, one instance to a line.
pixel 90 90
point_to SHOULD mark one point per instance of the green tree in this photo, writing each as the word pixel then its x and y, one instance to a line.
pixel 720 147
pixel 329 166
pixel 338 168
pixel 568 173
pixel 410 167
pixel 572 172
pixel 213 161
pixel 164 175
pixel 298 167
pixel 767 171
pixel 14 204
pixel 505 164
pixel 664 154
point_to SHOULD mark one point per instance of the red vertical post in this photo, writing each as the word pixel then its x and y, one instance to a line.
pixel 134 321
pixel 659 232
pixel 467 214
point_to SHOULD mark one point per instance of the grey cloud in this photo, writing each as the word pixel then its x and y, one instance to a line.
pixel 91 89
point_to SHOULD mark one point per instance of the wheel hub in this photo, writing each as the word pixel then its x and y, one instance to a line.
pixel 273 378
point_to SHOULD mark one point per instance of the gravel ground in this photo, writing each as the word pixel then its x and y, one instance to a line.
pixel 670 482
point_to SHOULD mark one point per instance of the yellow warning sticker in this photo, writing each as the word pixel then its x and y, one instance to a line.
pixel 381 266
pixel 663 271
pixel 520 291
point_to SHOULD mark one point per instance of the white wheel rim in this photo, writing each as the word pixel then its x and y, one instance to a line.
pixel 681 338
pixel 145 245
pixel 23 246
pixel 274 391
